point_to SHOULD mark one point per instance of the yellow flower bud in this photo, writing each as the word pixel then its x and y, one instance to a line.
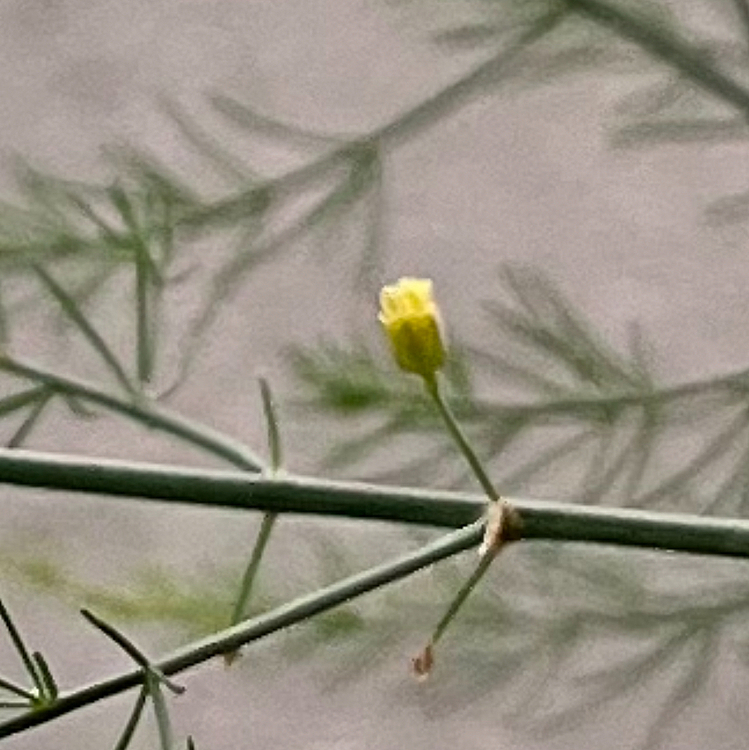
pixel 412 323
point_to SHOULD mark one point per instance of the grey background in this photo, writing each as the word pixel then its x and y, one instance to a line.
pixel 524 174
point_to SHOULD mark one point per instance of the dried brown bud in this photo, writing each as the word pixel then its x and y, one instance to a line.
pixel 423 663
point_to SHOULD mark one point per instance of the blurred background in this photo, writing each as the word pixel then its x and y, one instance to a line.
pixel 221 188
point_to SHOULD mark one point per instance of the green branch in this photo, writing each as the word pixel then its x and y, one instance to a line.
pixel 689 60
pixel 295 494
pixel 400 129
pixel 140 410
pixel 234 638
pixel 434 109
pixel 734 385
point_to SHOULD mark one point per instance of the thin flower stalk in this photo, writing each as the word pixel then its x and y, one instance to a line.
pixel 412 323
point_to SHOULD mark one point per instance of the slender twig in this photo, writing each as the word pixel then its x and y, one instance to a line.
pixel 311 175
pixel 233 638
pixel 731 387
pixel 51 689
pixel 692 62
pixel 19 437
pixel 450 98
pixel 225 162
pixel 16 401
pixel 133 720
pixel 459 437
pixel 742 8
pixel 147 413
pixel 290 133
pixel 275 447
pixel 734 385
pixel 304 495
pixel 143 322
pixel 401 128
pixel 23 652
pixel 131 650
pixel 11 687
pixel 161 711
pixel 424 662
pixel 269 519
pixel 455 605
pixel 248 579
pixel 73 311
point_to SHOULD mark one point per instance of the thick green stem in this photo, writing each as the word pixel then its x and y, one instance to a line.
pixel 545 519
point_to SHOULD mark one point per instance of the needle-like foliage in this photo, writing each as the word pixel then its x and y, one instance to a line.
pixel 566 634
